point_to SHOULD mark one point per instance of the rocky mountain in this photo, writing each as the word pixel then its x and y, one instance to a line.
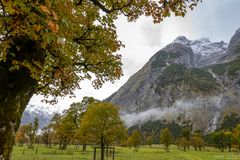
pixel 44 114
pixel 188 80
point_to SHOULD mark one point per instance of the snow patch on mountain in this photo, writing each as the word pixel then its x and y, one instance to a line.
pixel 43 113
pixel 206 52
pixel 182 40
pixel 44 109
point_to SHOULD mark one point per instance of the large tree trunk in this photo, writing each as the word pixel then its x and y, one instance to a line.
pixel 16 89
pixel 14 97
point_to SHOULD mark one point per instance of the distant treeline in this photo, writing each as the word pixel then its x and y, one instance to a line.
pixel 80 124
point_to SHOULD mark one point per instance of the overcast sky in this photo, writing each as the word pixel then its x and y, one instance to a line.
pixel 215 19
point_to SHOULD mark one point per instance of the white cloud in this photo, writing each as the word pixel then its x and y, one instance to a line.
pixel 186 107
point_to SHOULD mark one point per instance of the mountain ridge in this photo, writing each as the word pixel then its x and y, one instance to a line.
pixel 43 113
pixel 199 72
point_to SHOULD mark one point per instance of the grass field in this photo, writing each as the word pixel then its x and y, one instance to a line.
pixel 143 153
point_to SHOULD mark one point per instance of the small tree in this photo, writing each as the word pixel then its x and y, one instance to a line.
pixel 55 122
pixel 229 138
pixel 47 135
pixel 20 137
pixel 65 131
pixel 177 142
pixel 166 138
pixel 30 131
pixel 129 142
pixel 35 128
pixel 83 138
pixel 184 143
pixel 102 124
pixel 78 110
pixel 135 139
pixel 236 134
pixel 186 133
pixel 219 140
pixel 67 125
pixel 230 121
pixel 197 140
pixel 150 140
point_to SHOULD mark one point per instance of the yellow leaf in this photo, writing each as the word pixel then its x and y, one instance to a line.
pixel 37 28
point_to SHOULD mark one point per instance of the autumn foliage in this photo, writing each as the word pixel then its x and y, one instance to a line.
pixel 49 47
pixel 77 40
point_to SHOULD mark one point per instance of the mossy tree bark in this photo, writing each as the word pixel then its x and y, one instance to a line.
pixel 16 89
pixel 14 97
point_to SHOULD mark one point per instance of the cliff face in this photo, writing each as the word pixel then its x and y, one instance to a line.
pixel 198 81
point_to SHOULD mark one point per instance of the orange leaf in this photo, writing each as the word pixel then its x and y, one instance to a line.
pixel 45 9
pixel 55 17
pixel 53 26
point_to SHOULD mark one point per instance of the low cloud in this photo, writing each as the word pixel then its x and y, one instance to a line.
pixel 200 110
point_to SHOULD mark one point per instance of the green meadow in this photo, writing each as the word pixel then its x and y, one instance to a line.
pixel 142 153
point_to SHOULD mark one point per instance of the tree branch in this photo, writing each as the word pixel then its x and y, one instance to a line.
pixel 79 2
pixel 108 11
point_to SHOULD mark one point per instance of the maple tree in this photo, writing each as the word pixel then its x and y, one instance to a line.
pixel 102 125
pixel 20 137
pixel 197 140
pixel 135 139
pixel 166 138
pixel 77 111
pixel 49 46
pixel 236 134
pixel 68 124
pixel 47 135
pixel 219 140
pixel 35 126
